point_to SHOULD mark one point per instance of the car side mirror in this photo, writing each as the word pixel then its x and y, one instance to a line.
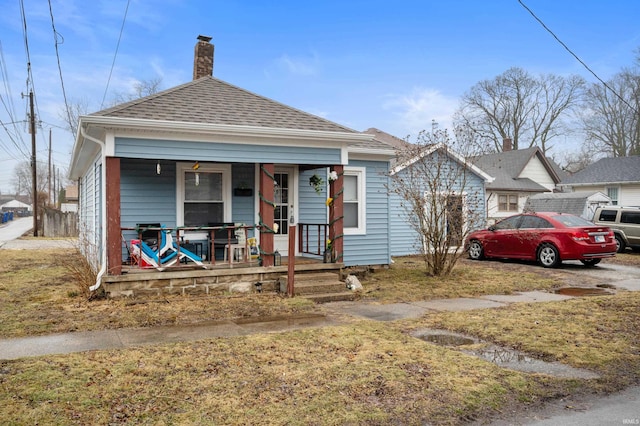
pixel 492 228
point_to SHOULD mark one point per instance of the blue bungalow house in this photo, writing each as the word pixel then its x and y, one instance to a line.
pixel 458 186
pixel 206 159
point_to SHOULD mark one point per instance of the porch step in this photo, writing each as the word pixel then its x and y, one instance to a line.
pixel 319 287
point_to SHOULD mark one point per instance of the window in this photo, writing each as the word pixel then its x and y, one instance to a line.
pixel 354 198
pixel 612 192
pixel 630 217
pixel 204 194
pixel 608 215
pixel 507 203
pixel 508 223
pixel 534 222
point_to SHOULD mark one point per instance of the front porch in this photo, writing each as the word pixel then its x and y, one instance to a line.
pixel 221 278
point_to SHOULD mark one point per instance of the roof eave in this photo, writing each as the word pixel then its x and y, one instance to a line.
pixel 226 129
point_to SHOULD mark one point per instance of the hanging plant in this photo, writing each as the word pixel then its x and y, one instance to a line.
pixel 317 183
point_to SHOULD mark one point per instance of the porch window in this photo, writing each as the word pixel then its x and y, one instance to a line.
pixel 354 200
pixel 507 203
pixel 205 195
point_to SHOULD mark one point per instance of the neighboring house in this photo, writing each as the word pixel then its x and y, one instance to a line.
pixel 582 204
pixel 20 208
pixel 70 203
pixel 518 175
pixel 462 196
pixel 209 152
pixel 618 178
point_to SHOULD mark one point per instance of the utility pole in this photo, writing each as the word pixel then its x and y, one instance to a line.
pixel 49 177
pixel 33 165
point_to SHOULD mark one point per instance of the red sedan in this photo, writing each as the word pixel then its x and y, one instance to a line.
pixel 548 238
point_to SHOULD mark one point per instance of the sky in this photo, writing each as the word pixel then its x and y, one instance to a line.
pixel 394 65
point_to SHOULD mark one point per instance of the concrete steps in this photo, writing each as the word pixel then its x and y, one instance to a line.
pixel 321 287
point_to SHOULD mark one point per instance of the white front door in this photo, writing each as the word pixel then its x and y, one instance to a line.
pixel 285 205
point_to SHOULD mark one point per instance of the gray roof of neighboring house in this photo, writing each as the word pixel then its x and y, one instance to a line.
pixel 387 138
pixel 608 170
pixel 209 100
pixel 384 140
pixel 565 202
pixel 506 166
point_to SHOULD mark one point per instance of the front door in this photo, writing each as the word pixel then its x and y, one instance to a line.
pixel 285 201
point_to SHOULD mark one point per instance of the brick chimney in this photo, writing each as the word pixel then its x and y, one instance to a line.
pixel 506 144
pixel 203 58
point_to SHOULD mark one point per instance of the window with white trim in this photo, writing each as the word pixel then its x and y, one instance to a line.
pixel 354 200
pixel 507 203
pixel 205 194
pixel 612 192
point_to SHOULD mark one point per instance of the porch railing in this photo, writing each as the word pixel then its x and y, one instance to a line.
pixel 211 231
pixel 312 238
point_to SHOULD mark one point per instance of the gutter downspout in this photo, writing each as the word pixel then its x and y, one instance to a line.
pixel 103 206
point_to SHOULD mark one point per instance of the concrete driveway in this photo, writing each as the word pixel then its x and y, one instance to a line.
pixel 11 232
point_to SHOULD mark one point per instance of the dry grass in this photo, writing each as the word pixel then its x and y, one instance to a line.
pixel 597 333
pixel 39 296
pixel 406 280
pixel 363 372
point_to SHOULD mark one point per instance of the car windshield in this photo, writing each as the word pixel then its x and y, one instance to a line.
pixel 572 221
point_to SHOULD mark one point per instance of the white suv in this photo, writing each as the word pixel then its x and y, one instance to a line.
pixel 624 222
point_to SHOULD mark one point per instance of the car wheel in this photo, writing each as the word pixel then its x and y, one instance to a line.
pixel 548 256
pixel 476 252
pixel 590 262
pixel 620 243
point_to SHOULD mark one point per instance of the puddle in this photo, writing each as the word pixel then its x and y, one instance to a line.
pixel 582 291
pixel 447 339
pixel 500 356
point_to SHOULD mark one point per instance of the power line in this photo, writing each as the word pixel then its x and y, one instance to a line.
pixel 577 58
pixel 124 19
pixel 55 38
pixel 9 106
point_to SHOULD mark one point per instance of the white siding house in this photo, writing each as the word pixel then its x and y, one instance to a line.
pixel 618 178
pixel 518 175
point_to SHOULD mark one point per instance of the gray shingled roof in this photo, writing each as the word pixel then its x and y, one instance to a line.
pixel 209 100
pixel 608 170
pixel 387 138
pixel 506 166
pixel 565 202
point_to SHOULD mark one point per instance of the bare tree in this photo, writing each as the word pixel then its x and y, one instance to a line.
pixel 139 90
pixel 442 202
pixel 22 179
pixel 71 115
pixel 516 105
pixel 612 117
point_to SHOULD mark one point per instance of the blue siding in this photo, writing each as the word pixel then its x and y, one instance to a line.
pixel 372 248
pixel 145 196
pixel 404 239
pixel 223 152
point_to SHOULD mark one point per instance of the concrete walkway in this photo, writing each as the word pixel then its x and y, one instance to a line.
pixel 125 338
pixel 65 343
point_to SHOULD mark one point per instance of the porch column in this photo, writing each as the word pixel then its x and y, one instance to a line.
pixel 336 214
pixel 266 213
pixel 113 232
